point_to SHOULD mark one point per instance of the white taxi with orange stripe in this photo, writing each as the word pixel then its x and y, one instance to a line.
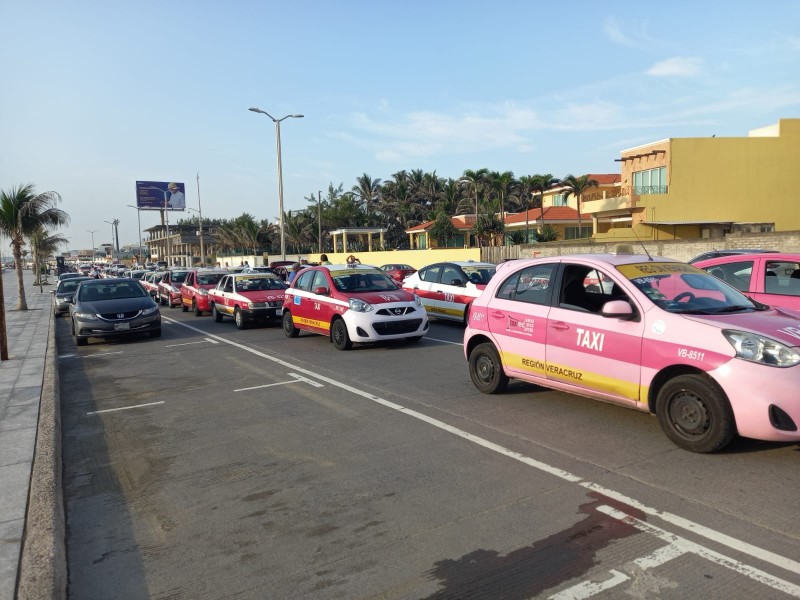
pixel 352 303
pixel 652 334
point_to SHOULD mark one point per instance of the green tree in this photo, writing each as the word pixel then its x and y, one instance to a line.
pixel 44 244
pixel 540 184
pixel 22 212
pixel 442 231
pixel 367 190
pixel 547 233
pixel 578 185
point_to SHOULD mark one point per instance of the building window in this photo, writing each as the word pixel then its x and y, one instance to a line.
pixel 652 181
pixel 559 200
pixel 571 233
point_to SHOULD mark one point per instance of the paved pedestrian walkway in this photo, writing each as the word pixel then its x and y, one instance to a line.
pixel 21 380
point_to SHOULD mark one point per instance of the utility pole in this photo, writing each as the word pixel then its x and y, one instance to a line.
pixel 200 219
pixel 319 219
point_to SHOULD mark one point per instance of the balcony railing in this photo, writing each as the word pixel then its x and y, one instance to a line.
pixel 643 190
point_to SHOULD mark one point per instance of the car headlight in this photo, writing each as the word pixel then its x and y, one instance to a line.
pixel 760 349
pixel 85 316
pixel 417 301
pixel 360 306
pixel 150 311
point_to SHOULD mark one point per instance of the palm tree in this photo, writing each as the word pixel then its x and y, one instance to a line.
pixel 542 183
pixel 525 194
pixel 578 185
pixel 23 211
pixel 43 245
pixel 367 190
pixel 474 182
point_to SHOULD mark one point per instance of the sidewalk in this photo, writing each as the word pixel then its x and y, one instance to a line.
pixel 22 380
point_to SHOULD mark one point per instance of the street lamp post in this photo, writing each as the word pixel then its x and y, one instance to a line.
pixel 139 218
pixel 93 231
pixel 200 220
pixel 280 171
pixel 199 230
pixel 113 224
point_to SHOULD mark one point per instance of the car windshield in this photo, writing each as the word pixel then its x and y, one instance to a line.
pixel 258 284
pixel 179 276
pixel 479 274
pixel 68 285
pixel 112 290
pixel 209 278
pixel 348 280
pixel 682 288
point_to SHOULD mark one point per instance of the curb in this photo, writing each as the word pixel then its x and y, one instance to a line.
pixel 43 563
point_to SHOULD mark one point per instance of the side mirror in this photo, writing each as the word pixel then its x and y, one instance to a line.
pixel 321 291
pixel 52 291
pixel 618 309
pixel 457 282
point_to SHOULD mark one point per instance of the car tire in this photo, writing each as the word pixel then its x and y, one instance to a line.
pixel 339 335
pixel 155 333
pixel 486 369
pixel 79 341
pixel 695 414
pixel 288 325
pixel 184 308
pixel 197 313
pixel 217 316
pixel 238 318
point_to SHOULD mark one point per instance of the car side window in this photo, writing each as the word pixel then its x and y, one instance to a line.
pixel 320 281
pixel 451 276
pixel 304 281
pixel 736 273
pixel 782 278
pixel 529 285
pixel 228 287
pixel 431 274
pixel 587 289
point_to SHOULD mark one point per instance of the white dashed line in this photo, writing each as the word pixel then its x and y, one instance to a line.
pixel 97 412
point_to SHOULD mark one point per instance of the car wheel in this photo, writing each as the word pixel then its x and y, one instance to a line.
pixel 197 313
pixel 339 335
pixel 79 341
pixel 694 413
pixel 216 314
pixel 288 325
pixel 155 333
pixel 239 319
pixel 486 369
pixel 185 308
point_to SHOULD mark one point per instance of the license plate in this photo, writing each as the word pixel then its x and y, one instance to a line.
pixel 122 326
pixel 278 312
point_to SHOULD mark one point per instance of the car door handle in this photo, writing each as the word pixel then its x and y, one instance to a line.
pixel 560 325
pixel 498 314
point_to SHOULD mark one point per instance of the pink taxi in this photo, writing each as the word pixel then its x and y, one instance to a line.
pixel 352 303
pixel 658 336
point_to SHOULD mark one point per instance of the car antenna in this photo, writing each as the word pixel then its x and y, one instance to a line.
pixel 650 258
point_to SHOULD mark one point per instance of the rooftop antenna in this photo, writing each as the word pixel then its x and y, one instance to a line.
pixel 650 258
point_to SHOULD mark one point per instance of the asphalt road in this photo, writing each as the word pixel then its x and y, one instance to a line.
pixel 217 463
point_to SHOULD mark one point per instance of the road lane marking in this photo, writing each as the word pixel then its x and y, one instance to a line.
pixel 205 341
pixel 587 589
pixel 108 410
pixel 739 545
pixel 297 379
pixel 102 354
pixel 443 341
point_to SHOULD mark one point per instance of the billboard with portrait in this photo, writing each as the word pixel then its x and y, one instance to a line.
pixel 158 195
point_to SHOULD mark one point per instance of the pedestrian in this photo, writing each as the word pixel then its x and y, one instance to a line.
pixel 296 267
pixel 352 260
pixel 323 259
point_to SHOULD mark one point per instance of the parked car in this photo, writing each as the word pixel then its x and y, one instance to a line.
pixel 150 282
pixel 399 271
pixel 257 270
pixel 667 338
pixel 105 308
pixel 772 278
pixel 248 298
pixel 65 292
pixel 718 253
pixel 352 303
pixel 169 288
pixel 195 287
pixel 447 288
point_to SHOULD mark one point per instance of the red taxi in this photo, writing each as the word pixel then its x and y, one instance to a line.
pixel 169 288
pixel 150 283
pixel 447 289
pixel 247 297
pixel 352 303
pixel 194 289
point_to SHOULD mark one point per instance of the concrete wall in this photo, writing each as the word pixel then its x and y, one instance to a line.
pixel 415 258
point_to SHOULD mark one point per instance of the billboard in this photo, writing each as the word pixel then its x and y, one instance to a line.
pixel 157 195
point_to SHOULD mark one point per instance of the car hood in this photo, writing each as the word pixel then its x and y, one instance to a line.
pixel 781 324
pixel 386 297
pixel 116 305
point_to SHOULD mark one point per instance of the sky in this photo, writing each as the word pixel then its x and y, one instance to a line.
pixel 98 95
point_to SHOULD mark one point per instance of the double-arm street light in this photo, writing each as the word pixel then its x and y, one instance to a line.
pixel 113 224
pixel 93 231
pixel 280 171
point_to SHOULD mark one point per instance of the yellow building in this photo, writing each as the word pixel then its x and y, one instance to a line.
pixel 682 188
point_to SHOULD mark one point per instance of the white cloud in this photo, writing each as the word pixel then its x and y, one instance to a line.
pixel 677 66
pixel 613 31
